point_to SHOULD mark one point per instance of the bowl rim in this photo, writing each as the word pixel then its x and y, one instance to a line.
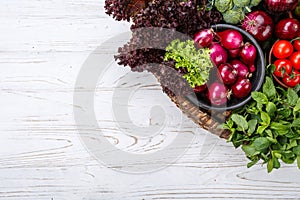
pixel 261 55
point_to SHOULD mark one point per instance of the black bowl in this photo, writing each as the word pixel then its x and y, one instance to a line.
pixel 257 78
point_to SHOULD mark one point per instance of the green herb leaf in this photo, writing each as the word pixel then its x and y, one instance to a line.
pixel 260 97
pixel 240 121
pixel 261 144
pixel 297 107
pixel 276 163
pixel 285 112
pixel 265 118
pixel 280 128
pixel 296 123
pixel 292 97
pixel 253 162
pixel 270 165
pixel 271 109
pixel 296 150
pixel 293 143
pixel 277 155
pixel 250 150
pixel 252 126
pixel 269 88
pixel 261 129
pixel 272 140
pixel 298 162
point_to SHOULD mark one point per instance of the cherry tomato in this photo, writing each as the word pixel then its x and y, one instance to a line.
pixel 292 80
pixel 296 45
pixel 295 60
pixel 282 49
pixel 283 67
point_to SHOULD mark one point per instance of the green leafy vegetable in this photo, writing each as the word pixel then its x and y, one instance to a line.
pixel 233 16
pixel 269 88
pixel 241 3
pixel 196 61
pixel 254 2
pixel 268 128
pixel 233 11
pixel 223 5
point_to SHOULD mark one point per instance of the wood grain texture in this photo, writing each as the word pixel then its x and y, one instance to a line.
pixel 43 45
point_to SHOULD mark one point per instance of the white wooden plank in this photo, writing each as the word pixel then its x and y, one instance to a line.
pixel 43 45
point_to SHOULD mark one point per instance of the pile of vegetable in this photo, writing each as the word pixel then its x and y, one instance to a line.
pixel 287 61
pixel 224 56
pixel 267 127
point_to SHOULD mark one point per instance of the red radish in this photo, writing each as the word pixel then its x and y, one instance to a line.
pixel 233 53
pixel 230 39
pixel 276 6
pixel 199 89
pixel 241 88
pixel 227 73
pixel 217 94
pixel 248 53
pixel 218 54
pixel 252 68
pixel 204 38
pixel 240 67
pixel 288 28
pixel 259 24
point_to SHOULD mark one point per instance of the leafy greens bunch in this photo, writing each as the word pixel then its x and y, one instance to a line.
pixel 268 128
pixel 233 11
pixel 196 62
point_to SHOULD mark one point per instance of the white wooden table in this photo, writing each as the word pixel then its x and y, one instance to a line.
pixel 43 46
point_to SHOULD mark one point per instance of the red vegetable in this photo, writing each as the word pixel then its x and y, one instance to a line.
pixel 248 53
pixel 296 44
pixel 218 54
pixel 204 38
pixel 233 53
pixel 217 94
pixel 227 73
pixel 230 39
pixel 259 24
pixel 283 68
pixel 252 68
pixel 292 80
pixel 288 28
pixel 276 6
pixel 295 60
pixel 199 89
pixel 241 88
pixel 240 67
pixel 282 49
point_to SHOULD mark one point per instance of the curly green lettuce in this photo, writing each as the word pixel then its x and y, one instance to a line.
pixel 196 61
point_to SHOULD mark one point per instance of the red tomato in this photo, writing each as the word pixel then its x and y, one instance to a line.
pixel 296 45
pixel 283 68
pixel 292 80
pixel 295 60
pixel 282 49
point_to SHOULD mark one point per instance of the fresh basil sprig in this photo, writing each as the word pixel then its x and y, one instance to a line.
pixel 268 128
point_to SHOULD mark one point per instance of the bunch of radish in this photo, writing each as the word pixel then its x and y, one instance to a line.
pixel 234 61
